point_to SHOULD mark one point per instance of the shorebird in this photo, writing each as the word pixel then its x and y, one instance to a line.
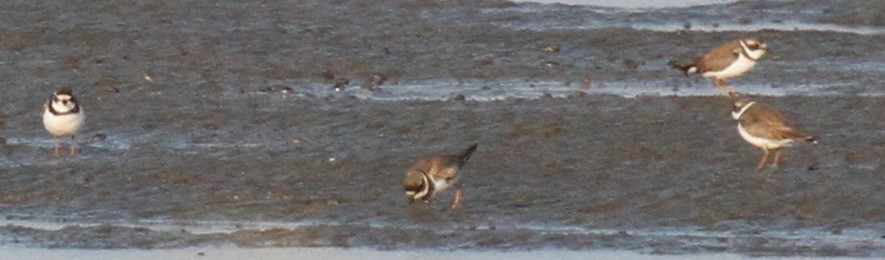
pixel 729 60
pixel 62 116
pixel 433 174
pixel 764 127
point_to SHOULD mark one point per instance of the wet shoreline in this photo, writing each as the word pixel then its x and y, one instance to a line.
pixel 225 113
pixel 699 175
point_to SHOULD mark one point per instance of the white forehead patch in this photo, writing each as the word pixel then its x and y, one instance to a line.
pixel 61 105
pixel 63 97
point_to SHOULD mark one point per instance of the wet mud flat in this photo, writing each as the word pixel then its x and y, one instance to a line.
pixel 222 113
pixel 591 162
pixel 222 47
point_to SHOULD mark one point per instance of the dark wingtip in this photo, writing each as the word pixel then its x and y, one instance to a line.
pixel 465 155
pixel 685 67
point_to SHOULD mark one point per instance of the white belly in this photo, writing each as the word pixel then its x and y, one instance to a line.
pixel 763 142
pixel 63 125
pixel 440 185
pixel 737 68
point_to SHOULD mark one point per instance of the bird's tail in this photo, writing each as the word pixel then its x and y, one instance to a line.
pixel 464 155
pixel 811 139
pixel 794 134
pixel 686 67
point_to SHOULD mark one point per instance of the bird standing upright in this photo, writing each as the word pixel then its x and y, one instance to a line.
pixel 729 60
pixel 63 116
pixel 765 127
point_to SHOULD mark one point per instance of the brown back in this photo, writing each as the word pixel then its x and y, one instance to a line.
pixel 719 58
pixel 765 122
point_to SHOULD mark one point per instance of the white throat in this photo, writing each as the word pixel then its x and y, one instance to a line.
pixel 737 114
pixel 745 61
pixel 425 189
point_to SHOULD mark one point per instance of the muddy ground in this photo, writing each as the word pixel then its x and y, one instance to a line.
pixel 181 126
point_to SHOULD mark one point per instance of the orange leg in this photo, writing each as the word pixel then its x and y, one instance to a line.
pixel 55 145
pixel 457 202
pixel 73 147
pixel 763 160
pixel 777 158
pixel 720 84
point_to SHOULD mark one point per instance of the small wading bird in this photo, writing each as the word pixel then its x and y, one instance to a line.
pixel 62 117
pixel 434 174
pixel 765 128
pixel 729 60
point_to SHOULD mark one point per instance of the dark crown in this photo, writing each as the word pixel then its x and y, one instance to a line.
pixel 65 90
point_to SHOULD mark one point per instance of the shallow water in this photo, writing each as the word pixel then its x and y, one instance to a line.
pixel 216 124
pixel 334 253
pixel 632 3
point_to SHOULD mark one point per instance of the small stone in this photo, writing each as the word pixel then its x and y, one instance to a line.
pixel 631 64
pixel 282 89
pixel 98 138
pixel 379 79
pixel 552 48
pixel 551 64
pixel 836 231
pixel 340 84
pixel 586 82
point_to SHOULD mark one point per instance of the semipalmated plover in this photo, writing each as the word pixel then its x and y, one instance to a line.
pixel 765 128
pixel 62 116
pixel 434 174
pixel 727 61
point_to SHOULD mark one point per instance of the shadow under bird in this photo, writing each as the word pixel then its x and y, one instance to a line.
pixel 62 116
pixel 434 174
pixel 729 60
pixel 765 127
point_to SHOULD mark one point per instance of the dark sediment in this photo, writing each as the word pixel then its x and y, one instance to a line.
pixel 600 162
pixel 189 99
